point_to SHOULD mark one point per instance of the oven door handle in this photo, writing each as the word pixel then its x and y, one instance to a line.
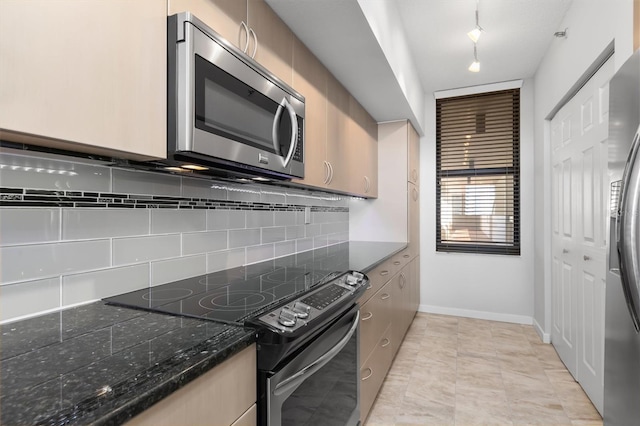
pixel 296 379
pixel 293 143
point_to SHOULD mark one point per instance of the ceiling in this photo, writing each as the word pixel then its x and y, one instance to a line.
pixel 516 35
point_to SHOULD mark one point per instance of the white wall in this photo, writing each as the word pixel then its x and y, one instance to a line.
pixel 592 25
pixel 482 286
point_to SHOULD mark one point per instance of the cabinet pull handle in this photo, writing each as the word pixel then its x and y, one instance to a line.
pixel 246 31
pixel 415 194
pixel 326 172
pixel 385 272
pixel 370 286
pixel 585 257
pixel 385 296
pixel 330 172
pixel 366 185
pixel 369 375
pixel 255 45
pixel 414 175
pixel 387 342
pixel 368 316
pixel 403 280
pixel 406 256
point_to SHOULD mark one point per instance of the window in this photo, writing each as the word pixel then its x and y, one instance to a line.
pixel 478 173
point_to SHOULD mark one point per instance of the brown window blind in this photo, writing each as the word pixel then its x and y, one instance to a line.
pixel 478 173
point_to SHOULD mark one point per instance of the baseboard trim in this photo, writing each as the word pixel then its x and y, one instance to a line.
pixel 546 337
pixel 468 313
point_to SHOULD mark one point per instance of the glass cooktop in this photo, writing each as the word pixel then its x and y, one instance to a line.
pixel 229 296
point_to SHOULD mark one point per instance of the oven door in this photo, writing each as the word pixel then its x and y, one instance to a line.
pixel 320 385
pixel 231 109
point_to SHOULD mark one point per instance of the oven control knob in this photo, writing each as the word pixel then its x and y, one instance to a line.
pixel 301 310
pixel 287 317
pixel 354 278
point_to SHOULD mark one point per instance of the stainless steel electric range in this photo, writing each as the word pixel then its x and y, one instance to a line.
pixel 306 324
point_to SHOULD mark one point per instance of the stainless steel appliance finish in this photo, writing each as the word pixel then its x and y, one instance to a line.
pixel 227 111
pixel 622 341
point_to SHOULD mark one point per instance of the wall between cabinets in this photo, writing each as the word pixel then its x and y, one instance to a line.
pixel 72 232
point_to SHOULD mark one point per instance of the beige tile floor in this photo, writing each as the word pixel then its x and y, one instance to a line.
pixel 461 371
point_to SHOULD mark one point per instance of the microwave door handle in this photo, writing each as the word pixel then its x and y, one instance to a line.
pixel 294 133
pixel 274 130
pixel 627 231
pixel 292 382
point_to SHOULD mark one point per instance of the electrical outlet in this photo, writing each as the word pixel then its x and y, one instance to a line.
pixel 307 215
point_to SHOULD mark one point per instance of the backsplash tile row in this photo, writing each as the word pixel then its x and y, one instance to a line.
pixel 75 231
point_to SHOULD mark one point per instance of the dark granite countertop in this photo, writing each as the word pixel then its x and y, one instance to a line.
pixel 102 364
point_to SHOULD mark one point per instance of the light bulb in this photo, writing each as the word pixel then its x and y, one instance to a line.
pixel 475 66
pixel 475 34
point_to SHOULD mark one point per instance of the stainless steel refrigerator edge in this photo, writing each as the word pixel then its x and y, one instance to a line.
pixel 622 341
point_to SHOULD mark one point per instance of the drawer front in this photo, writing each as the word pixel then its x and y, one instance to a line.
pixel 373 372
pixel 375 317
pixel 378 277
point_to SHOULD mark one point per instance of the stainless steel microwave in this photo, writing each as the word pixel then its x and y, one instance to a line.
pixel 225 111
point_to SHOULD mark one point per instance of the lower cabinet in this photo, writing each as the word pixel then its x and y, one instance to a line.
pixel 226 395
pixel 385 318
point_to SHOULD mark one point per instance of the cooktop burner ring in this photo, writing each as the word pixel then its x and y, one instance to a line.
pixel 250 299
pixel 164 294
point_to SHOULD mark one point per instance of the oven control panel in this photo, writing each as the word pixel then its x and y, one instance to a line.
pixel 311 306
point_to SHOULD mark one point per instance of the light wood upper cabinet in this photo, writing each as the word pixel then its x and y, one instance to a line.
pixel 87 76
pixel 337 135
pixel 274 40
pixel 310 79
pixel 414 156
pixel 250 25
pixel 362 145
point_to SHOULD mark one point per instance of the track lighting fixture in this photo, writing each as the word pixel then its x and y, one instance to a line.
pixel 475 65
pixel 475 33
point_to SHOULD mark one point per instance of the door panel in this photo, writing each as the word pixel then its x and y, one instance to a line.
pixel 579 229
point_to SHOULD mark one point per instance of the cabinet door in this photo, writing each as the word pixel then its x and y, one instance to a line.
pixel 337 134
pixel 362 151
pixel 275 40
pixel 87 76
pixel 223 16
pixel 413 223
pixel 310 79
pixel 414 156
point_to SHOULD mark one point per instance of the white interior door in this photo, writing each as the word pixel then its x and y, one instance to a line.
pixel 579 225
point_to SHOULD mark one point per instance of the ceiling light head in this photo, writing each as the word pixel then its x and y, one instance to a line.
pixel 475 34
pixel 475 66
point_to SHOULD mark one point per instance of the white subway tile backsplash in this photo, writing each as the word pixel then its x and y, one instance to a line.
pixel 225 219
pixel 29 297
pixel 21 263
pixel 28 225
pixel 99 284
pixel 138 182
pixel 165 271
pixel 272 235
pixel 182 226
pixel 202 188
pixel 287 218
pixel 79 223
pixel 295 232
pixel 259 218
pixel 203 242
pixel 165 221
pixel 285 248
pixel 23 171
pixel 145 249
pixel 312 230
pixel 260 253
pixel 304 244
pixel 244 237
pixel 225 259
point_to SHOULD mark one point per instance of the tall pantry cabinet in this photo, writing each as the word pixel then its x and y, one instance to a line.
pixel 390 304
